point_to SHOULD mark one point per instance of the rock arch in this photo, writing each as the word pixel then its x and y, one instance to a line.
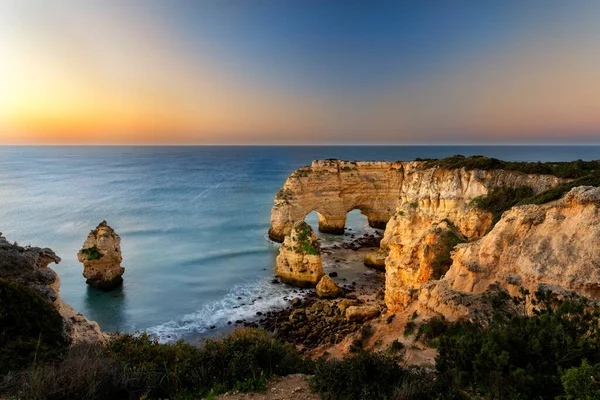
pixel 333 188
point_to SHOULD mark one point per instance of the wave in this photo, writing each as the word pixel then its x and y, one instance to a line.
pixel 241 303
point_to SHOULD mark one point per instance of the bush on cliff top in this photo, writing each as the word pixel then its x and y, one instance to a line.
pixel 374 376
pixel 519 356
pixel 92 253
pixel 133 367
pixel 501 199
pixel 30 327
pixel 567 170
pixel 305 244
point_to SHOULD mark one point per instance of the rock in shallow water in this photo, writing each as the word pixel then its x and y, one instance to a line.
pixel 101 258
pixel 327 288
pixel 299 261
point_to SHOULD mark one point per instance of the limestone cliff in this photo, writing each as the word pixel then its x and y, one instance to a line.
pixel 333 188
pixel 431 196
pixel 377 189
pixel 101 258
pixel 299 261
pixel 420 207
pixel 555 244
pixel 29 266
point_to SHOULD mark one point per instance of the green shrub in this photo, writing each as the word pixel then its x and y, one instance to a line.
pixel 409 328
pixel 443 249
pixel 395 347
pixel 242 359
pixel 566 170
pixel 374 376
pixel 518 356
pixel 581 383
pixel 92 253
pixel 30 327
pixel 305 244
pixel 501 199
pixel 364 376
pixel 136 366
pixel 593 179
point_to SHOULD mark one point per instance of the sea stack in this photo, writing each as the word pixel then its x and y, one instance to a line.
pixel 101 258
pixel 299 261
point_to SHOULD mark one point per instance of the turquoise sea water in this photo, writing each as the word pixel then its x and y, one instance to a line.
pixel 192 220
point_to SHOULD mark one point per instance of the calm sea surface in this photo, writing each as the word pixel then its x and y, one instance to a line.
pixel 192 220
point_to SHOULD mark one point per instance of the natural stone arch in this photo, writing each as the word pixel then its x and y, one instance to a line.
pixel 333 188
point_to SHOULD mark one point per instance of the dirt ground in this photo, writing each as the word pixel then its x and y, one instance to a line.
pixel 291 387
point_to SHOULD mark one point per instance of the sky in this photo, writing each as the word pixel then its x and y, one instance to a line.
pixel 299 72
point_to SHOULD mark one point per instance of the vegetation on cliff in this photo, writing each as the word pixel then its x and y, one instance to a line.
pixel 305 242
pixel 92 253
pixel 134 367
pixel 566 170
pixel 554 353
pixel 31 330
pixel 448 239
pixel 501 199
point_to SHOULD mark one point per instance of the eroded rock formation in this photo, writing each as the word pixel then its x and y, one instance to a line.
pixel 299 261
pixel 426 257
pixel 101 258
pixel 29 267
pixel 328 289
pixel 377 189
pixel 333 188
pixel 425 210
pixel 557 243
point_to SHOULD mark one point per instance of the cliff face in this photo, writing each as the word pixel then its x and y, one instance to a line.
pixel 430 197
pixel 101 258
pixel 29 266
pixel 333 188
pixel 425 211
pixel 555 244
pixel 299 261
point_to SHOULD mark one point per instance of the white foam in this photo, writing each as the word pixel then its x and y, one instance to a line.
pixel 216 314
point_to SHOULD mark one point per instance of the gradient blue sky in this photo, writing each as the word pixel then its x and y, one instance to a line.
pixel 177 71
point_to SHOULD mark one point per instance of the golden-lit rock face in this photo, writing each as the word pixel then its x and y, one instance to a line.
pixel 421 209
pixel 328 289
pixel 299 261
pixel 427 258
pixel 554 244
pixel 333 188
pixel 101 258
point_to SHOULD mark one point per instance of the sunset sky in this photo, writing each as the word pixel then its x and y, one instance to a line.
pixel 299 72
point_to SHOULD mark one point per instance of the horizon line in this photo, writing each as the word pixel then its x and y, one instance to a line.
pixel 288 144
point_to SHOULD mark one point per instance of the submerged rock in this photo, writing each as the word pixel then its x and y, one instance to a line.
pixel 299 261
pixel 327 288
pixel 101 258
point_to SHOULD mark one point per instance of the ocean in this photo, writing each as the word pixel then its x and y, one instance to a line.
pixel 192 221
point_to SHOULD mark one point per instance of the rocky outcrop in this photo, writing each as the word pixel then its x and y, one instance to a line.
pixel 299 261
pixel 333 188
pixel 29 267
pixel 426 258
pixel 361 313
pixel 328 289
pixel 101 258
pixel 430 197
pixel 418 205
pixel 552 244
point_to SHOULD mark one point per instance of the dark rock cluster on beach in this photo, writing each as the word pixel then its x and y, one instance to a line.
pixel 311 322
pixel 358 242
